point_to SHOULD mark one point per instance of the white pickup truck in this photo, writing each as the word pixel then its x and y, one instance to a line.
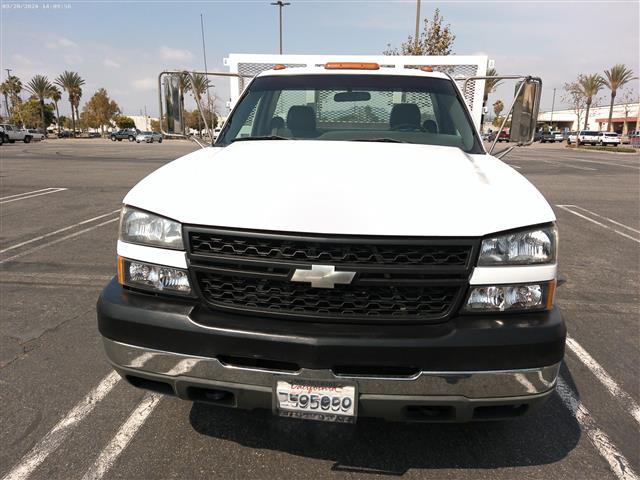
pixel 346 248
pixel 12 134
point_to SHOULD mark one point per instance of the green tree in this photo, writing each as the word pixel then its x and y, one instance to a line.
pixel 72 83
pixel 614 79
pixel 29 113
pixel 435 39
pixel 11 88
pixel 498 106
pixel 574 96
pixel 56 95
pixel 40 87
pixel 589 85
pixel 122 121
pixel 100 110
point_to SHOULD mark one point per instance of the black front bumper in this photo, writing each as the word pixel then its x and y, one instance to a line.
pixel 461 344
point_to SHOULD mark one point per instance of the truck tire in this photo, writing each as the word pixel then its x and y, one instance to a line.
pixel 131 138
pixel 160 140
pixel 27 139
pixel 113 138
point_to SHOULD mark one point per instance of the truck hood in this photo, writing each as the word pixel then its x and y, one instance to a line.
pixel 354 188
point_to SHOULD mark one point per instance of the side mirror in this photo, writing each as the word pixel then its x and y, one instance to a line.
pixel 525 111
pixel 172 97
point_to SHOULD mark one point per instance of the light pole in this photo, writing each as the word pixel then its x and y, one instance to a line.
pixel 553 104
pixel 280 4
pixel 417 25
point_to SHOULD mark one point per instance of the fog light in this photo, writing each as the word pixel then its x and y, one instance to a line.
pixel 500 298
pixel 153 277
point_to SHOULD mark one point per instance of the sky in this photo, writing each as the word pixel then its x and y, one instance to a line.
pixel 122 45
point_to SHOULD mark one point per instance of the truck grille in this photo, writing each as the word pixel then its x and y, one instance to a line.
pixel 397 279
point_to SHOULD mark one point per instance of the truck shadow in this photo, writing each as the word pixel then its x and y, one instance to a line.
pixel 375 446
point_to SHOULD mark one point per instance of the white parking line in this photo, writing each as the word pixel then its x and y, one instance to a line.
pixel 46 235
pixel 563 164
pixel 600 440
pixel 58 240
pixel 52 440
pixel 601 374
pixel 130 427
pixel 25 195
pixel 568 209
pixel 605 218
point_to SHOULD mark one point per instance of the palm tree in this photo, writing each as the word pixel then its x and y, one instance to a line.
pixel 498 106
pixel 490 84
pixel 198 87
pixel 614 79
pixel 11 87
pixel 71 82
pixel 590 86
pixel 56 95
pixel 40 86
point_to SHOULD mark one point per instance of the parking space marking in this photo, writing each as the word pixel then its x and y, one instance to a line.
pixel 52 440
pixel 604 218
pixel 130 427
pixel 600 440
pixel 34 193
pixel 603 376
pixel 603 163
pixel 50 234
pixel 563 164
pixel 568 209
pixel 58 240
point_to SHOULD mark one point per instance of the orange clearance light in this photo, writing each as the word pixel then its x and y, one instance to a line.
pixel 551 290
pixel 279 66
pixel 351 66
pixel 427 68
pixel 120 270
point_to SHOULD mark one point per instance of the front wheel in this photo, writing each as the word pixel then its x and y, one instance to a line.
pixel 137 141
pixel 27 139
pixel 159 140
pixel 131 139
pixel 113 139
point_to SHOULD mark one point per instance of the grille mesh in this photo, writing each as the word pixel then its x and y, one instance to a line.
pixel 344 301
pixel 338 253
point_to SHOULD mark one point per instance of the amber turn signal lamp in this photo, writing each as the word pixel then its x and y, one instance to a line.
pixel 279 66
pixel 427 68
pixel 120 270
pixel 351 66
pixel 551 291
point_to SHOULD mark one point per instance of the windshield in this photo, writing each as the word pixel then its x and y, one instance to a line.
pixel 385 108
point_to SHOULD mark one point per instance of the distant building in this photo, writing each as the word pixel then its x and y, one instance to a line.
pixel 624 118
pixel 143 122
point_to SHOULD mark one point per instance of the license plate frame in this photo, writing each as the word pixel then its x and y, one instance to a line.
pixel 322 388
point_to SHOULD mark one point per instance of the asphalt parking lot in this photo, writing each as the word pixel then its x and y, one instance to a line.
pixel 66 415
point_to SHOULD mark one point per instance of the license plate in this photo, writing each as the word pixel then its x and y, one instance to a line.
pixel 327 402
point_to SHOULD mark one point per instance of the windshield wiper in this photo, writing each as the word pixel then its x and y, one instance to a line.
pixel 264 137
pixel 383 140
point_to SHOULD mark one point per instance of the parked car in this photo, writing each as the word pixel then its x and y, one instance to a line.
pixel 36 135
pixel 558 136
pixel 125 134
pixel 149 137
pixel 489 136
pixel 547 136
pixel 588 136
pixel 13 134
pixel 634 138
pixel 64 134
pixel 2 138
pixel 609 138
pixel 311 294
pixel 504 136
pixel 572 138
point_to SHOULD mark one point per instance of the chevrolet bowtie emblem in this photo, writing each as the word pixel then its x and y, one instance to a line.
pixel 322 276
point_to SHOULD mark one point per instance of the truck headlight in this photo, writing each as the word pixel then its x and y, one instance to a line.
pixel 153 277
pixel 500 298
pixel 137 226
pixel 525 247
